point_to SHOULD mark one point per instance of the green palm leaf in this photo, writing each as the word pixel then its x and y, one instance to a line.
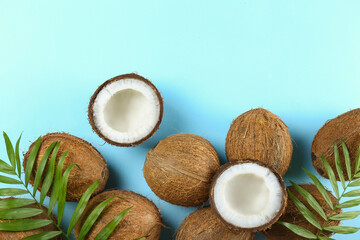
pixel 18 213
pixel 8 192
pixel 349 204
pixel 299 230
pixel 17 155
pixel 304 211
pixel 353 193
pixel 325 238
pixel 31 160
pixel 6 168
pixel 320 187
pixel 342 229
pixel 357 161
pixel 49 174
pixel 338 165
pixel 110 227
pixel 9 180
pixel 24 225
pixel 355 183
pixel 346 215
pixel 310 199
pixel 81 206
pixel 43 236
pixel 9 150
pixel 331 176
pixel 41 166
pixel 347 159
pixel 15 203
pixel 56 187
pixel 91 219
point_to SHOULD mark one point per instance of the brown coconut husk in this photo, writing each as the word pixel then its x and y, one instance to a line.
pixel 255 229
pixel 179 169
pixel 345 127
pixel 202 224
pixel 4 235
pixel 292 215
pixel 119 78
pixel 92 164
pixel 260 134
pixel 143 220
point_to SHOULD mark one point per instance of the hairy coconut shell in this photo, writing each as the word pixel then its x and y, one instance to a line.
pixel 92 164
pixel 4 235
pixel 143 219
pixel 179 169
pixel 292 215
pixel 202 224
pixel 118 78
pixel 345 127
pixel 255 229
pixel 260 134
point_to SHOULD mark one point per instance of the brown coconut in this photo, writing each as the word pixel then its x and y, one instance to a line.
pixel 92 164
pixel 271 221
pixel 345 127
pixel 260 134
pixel 142 220
pixel 179 169
pixel 4 235
pixel 292 215
pixel 202 224
pixel 91 112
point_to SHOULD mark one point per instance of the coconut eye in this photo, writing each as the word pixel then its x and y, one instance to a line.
pixel 247 195
pixel 126 110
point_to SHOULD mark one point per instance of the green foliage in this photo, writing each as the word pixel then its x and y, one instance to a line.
pixel 352 174
pixel 16 209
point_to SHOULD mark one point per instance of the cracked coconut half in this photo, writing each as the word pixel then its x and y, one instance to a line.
pixel 247 195
pixel 126 110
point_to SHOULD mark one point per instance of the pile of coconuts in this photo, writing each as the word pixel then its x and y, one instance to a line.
pixel 246 195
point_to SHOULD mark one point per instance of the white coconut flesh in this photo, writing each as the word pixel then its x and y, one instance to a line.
pixel 126 110
pixel 247 195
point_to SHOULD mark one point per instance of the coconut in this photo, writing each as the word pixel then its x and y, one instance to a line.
pixel 345 127
pixel 260 134
pixel 179 169
pixel 4 235
pixel 248 195
pixel 292 215
pixel 126 110
pixel 202 224
pixel 92 164
pixel 142 220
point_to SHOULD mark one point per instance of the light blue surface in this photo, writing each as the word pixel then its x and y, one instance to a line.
pixel 211 60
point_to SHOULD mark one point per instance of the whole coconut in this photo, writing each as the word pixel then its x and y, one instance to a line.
pixel 4 235
pixel 292 215
pixel 260 134
pixel 203 224
pixel 179 169
pixel 92 164
pixel 345 127
pixel 142 220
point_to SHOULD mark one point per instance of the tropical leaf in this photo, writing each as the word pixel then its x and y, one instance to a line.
pixel 15 203
pixel 18 213
pixel 9 180
pixel 321 188
pixel 6 168
pixel 349 204
pixel 338 165
pixel 325 238
pixel 353 193
pixel 43 235
pixel 331 176
pixel 41 167
pixel 299 230
pixel 357 161
pixel 110 227
pixel 9 150
pixel 24 225
pixel 342 229
pixel 8 192
pixel 81 206
pixel 347 159
pixel 17 156
pixel 48 179
pixel 304 211
pixel 345 215
pixel 31 160
pixel 355 183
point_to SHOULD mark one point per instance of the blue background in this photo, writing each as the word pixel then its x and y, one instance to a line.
pixel 211 60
